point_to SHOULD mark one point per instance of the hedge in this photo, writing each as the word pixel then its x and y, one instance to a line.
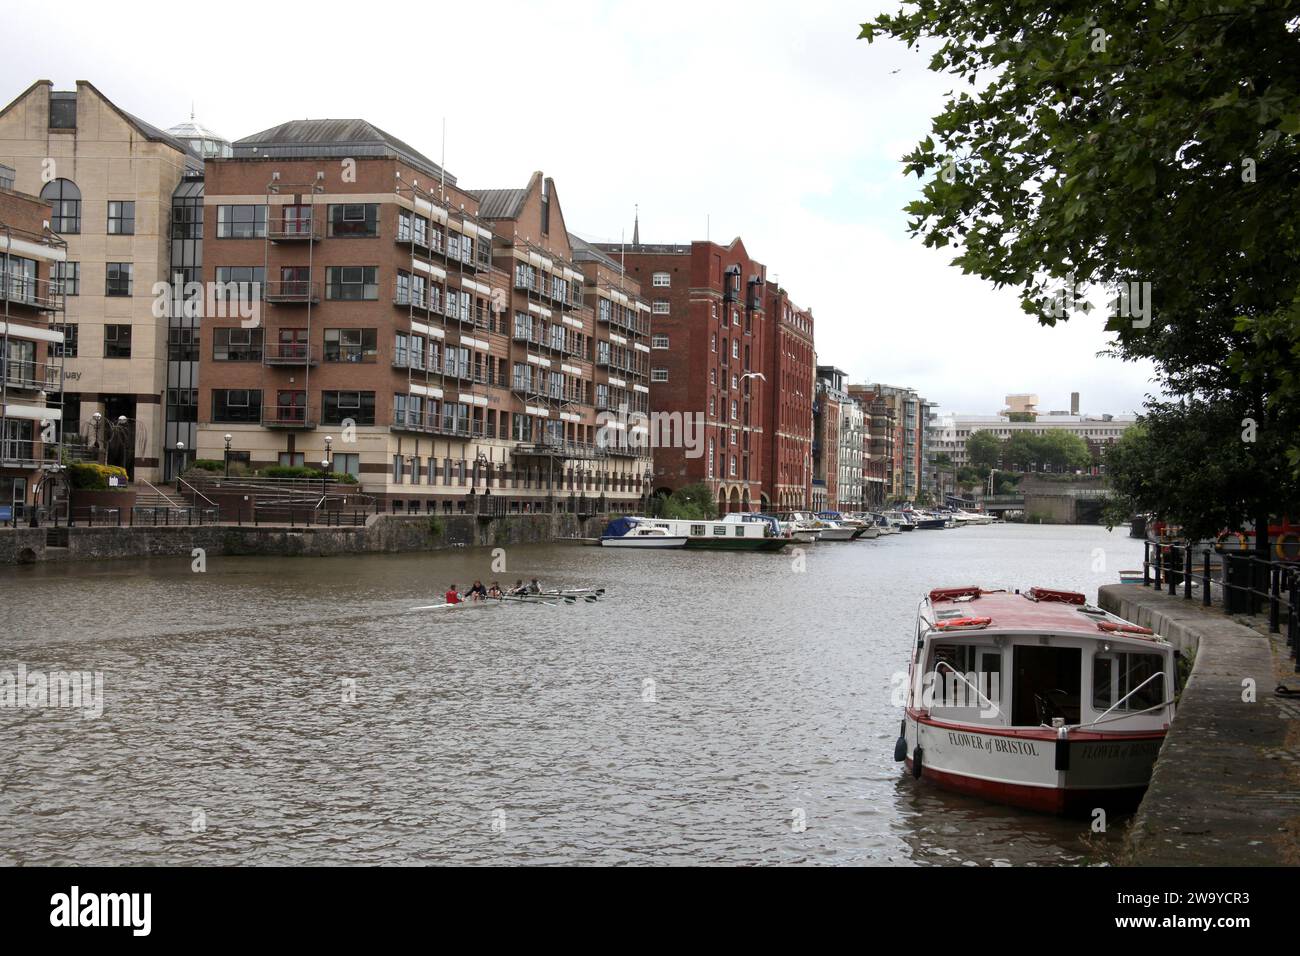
pixel 89 476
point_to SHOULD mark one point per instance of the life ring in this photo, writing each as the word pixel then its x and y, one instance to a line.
pixel 1242 542
pixel 1288 547
pixel 1111 628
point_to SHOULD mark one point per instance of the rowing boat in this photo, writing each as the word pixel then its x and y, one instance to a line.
pixel 549 598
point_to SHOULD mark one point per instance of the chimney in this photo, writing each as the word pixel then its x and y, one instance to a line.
pixel 1074 403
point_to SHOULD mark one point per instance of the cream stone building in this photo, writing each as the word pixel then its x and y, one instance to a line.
pixel 110 177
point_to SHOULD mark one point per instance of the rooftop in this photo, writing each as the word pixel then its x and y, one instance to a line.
pixel 1038 610
pixel 500 203
pixel 342 138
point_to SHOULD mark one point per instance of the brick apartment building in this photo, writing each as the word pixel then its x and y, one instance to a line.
pixel 828 415
pixel 709 306
pixel 31 360
pixel 789 365
pixel 435 343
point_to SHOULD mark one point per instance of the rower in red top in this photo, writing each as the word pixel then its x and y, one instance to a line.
pixel 452 596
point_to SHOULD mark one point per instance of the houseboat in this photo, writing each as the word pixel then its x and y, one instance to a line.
pixel 1039 699
pixel 738 535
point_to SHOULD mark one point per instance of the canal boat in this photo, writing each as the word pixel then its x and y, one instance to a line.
pixel 1038 700
pixel 861 529
pixel 637 533
pixel 749 535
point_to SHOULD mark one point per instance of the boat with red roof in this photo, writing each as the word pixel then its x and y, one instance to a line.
pixel 1036 699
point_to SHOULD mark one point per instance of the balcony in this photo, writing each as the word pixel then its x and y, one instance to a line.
pixel 293 292
pixel 301 355
pixel 41 294
pixel 31 376
pixel 413 360
pixel 288 416
pixel 294 229
pixel 18 453
pixel 414 300
pixel 551 448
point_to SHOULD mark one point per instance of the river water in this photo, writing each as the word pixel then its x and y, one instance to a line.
pixel 712 708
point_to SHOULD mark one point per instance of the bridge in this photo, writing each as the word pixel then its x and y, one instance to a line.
pixel 1055 502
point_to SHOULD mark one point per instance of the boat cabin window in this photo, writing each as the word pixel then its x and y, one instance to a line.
pixel 1115 676
pixel 980 683
pixel 1046 684
pixel 740 531
pixel 697 529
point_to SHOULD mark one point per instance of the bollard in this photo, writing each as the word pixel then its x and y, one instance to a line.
pixel 1169 572
pixel 1274 604
pixel 1187 572
pixel 1205 583
pixel 1156 550
pixel 1146 564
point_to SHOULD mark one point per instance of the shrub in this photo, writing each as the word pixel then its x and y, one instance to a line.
pixel 301 471
pixel 208 464
pixel 90 476
pixel 436 527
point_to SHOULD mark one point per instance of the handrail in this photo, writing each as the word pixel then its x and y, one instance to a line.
pixel 197 493
pixel 963 679
pixel 162 494
pixel 1128 695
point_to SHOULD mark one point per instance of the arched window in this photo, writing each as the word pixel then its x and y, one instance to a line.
pixel 65 197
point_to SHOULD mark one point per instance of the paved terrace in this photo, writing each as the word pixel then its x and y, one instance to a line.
pixel 1226 789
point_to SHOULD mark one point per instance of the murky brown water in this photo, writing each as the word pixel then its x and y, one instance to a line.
pixel 513 734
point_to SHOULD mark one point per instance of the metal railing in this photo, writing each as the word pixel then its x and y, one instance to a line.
pixel 1245 585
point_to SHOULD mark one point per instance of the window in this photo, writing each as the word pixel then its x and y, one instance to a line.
pixel 241 222
pixel 713 343
pixel 63 110
pixel 65 198
pixel 69 274
pixel 659 342
pixel 182 345
pixel 121 219
pixel 68 349
pixel 291 459
pixel 661 280
pixel 659 375
pixel 661 306
pixel 117 279
pixel 237 345
pixel 352 283
pixel 337 406
pixel 1115 676
pixel 236 405
pixel 348 464
pixel 187 220
pixel 351 345
pixel 182 404
pixel 117 341
pixel 735 348
pixel 354 219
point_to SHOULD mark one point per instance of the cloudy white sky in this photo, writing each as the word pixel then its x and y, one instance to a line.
pixel 763 119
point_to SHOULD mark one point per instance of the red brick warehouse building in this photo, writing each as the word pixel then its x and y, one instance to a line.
pixel 708 336
pixel 790 365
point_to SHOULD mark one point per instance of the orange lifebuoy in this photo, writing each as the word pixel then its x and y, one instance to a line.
pixel 1111 627
pixel 963 622
pixel 1242 541
pixel 1288 547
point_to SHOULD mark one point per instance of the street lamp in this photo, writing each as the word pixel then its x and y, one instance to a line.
pixel 229 437
pixel 180 460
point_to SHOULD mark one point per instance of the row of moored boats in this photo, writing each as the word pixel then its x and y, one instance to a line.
pixel 755 531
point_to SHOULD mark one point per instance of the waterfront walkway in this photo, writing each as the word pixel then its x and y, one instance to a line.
pixel 1226 789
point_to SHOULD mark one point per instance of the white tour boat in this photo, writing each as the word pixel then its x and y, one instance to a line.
pixel 635 533
pixel 1039 699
